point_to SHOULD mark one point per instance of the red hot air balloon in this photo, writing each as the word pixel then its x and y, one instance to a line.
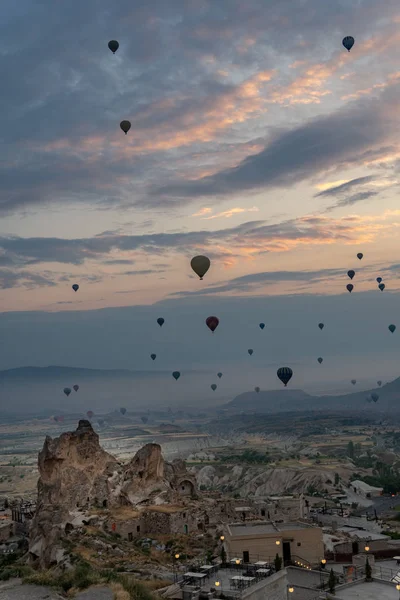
pixel 212 323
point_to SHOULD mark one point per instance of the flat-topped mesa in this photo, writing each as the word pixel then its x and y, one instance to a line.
pixel 77 475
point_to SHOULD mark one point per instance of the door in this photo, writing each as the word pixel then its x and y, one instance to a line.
pixel 287 555
pixel 354 548
pixel 246 557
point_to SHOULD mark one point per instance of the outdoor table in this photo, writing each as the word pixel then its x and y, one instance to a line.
pixel 263 571
pixel 260 564
pixel 241 579
pixel 195 575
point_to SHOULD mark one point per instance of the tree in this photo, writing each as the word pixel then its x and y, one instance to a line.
pixel 278 562
pixel 332 581
pixel 368 571
pixel 350 449
pixel 337 479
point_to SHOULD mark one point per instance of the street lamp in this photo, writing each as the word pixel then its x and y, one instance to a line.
pixel 278 542
pixel 217 584
pixel 222 538
pixel 323 563
pixel 366 548
pixel 398 587
pixel 290 589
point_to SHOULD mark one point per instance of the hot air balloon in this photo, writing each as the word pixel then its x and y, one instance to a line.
pixel 200 265
pixel 354 381
pixel 392 328
pixel 144 419
pixel 351 273
pixel 75 287
pixel 89 414
pixel 219 375
pixel 76 387
pixel 321 326
pixel 320 360
pixel 375 397
pixel 153 356
pixel 379 279
pixel 250 351
pixel 160 321
pixel 257 389
pixel 350 287
pixel 262 325
pixel 379 383
pixel 381 286
pixel 284 374
pixel 212 323
pixel 360 255
pixel 122 410
pixel 125 126
pixel 176 375
pixel 113 45
pixel 213 387
pixel 67 391
pixel 348 42
pixel 100 422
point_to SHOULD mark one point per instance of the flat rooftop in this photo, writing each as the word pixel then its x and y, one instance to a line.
pixel 264 528
pixel 368 591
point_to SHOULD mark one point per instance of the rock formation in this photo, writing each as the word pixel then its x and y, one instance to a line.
pixel 77 475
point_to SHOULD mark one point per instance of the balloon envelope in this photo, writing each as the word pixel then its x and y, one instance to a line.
pixel 250 351
pixel 353 381
pixel 350 287
pixel 90 414
pixel 375 397
pixel 262 325
pixel 122 410
pixel 219 375
pixel 213 387
pixel 360 255
pixel 153 356
pixel 351 273
pixel 160 321
pixel 212 323
pixel 113 45
pixel 67 391
pixel 320 359
pixel 348 42
pixel 200 265
pixel 75 287
pixel 321 325
pixel 125 126
pixel 76 387
pixel 381 286
pixel 284 374
pixel 379 383
pixel 392 328
pixel 379 279
pixel 257 389
pixel 176 375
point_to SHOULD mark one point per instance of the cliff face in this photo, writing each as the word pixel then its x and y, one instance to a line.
pixel 77 475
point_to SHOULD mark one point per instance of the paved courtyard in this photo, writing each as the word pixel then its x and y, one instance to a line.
pixel 369 591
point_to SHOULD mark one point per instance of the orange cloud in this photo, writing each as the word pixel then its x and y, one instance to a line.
pixel 232 211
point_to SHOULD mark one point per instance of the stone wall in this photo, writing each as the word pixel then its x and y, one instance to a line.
pixel 273 588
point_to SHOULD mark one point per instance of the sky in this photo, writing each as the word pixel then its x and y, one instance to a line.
pixel 256 139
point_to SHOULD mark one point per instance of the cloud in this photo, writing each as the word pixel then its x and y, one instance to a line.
pixel 255 280
pixel 231 212
pixel 12 279
pixel 345 187
pixel 339 139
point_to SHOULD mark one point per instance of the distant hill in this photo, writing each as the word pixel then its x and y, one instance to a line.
pixel 66 373
pixel 274 401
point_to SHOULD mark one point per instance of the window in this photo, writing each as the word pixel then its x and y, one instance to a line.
pixel 263 512
pixel 138 528
pixel 246 556
pixel 184 515
pixel 130 536
pixel 299 543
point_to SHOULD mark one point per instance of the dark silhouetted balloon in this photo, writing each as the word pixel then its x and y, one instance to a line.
pixel 113 45
pixel 350 287
pixel 348 42
pixel 90 414
pixel 200 265
pixel 75 287
pixel 212 323
pixel 360 255
pixel 262 325
pixel 213 386
pixel 67 391
pixel 257 389
pixel 125 126
pixel 250 351
pixel 219 375
pixel 392 328
pixel 284 374
pixel 160 321
pixel 375 397
pixel 76 387
pixel 381 286
pixel 351 273
pixel 122 410
pixel 379 279
pixel 153 356
pixel 321 325
pixel 354 381
pixel 320 360
pixel 379 383
pixel 144 419
pixel 176 375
